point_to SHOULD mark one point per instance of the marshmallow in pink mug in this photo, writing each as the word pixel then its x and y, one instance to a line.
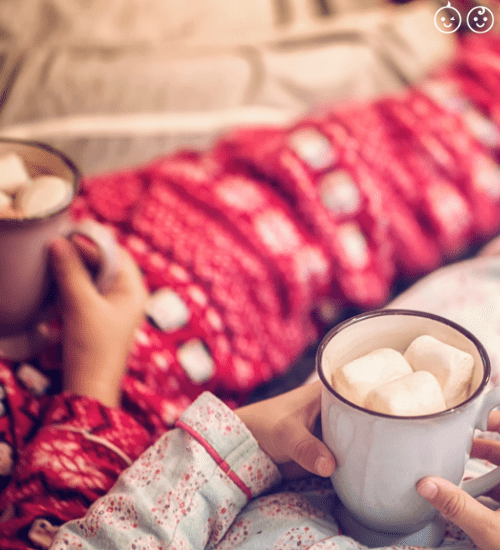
pixel 24 240
pixel 380 458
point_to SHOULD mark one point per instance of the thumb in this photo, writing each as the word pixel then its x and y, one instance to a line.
pixel 479 522
pixel 308 451
pixel 73 279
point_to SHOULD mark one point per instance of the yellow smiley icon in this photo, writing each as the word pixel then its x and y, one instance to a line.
pixel 447 19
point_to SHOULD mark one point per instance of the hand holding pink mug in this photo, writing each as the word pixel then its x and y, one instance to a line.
pixel 24 268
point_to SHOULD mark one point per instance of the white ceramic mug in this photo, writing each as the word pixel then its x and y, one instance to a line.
pixel 24 268
pixel 380 458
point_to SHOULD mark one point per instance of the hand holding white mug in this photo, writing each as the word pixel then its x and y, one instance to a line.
pixel 97 327
pixel 479 522
pixel 287 435
pixel 381 458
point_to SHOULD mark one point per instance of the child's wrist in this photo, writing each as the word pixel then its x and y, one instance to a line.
pixel 98 378
pixel 103 392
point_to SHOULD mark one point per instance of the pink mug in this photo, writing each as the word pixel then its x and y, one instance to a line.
pixel 24 267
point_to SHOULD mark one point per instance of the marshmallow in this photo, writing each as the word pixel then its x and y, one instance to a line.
pixel 5 201
pixel 13 173
pixel 356 379
pixel 7 210
pixel 46 194
pixel 415 394
pixel 451 366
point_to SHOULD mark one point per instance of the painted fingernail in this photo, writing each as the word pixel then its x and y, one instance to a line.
pixel 427 490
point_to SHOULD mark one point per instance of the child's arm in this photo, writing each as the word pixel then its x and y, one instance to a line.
pixel 82 444
pixel 186 490
pixel 82 441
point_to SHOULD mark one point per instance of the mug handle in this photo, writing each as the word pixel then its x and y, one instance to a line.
pixel 28 344
pixel 102 237
pixel 482 484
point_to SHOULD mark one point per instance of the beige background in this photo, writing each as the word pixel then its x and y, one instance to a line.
pixel 114 83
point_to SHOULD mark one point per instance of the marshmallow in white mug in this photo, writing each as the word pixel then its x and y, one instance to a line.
pixel 356 379
pixel 7 210
pixel 45 195
pixel 5 201
pixel 451 366
pixel 415 394
pixel 13 173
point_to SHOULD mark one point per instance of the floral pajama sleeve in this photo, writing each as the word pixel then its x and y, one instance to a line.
pixel 207 485
pixel 184 492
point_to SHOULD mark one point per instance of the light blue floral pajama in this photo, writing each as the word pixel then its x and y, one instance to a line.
pixel 207 484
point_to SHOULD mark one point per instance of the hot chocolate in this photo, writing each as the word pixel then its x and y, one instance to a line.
pixel 430 377
pixel 23 196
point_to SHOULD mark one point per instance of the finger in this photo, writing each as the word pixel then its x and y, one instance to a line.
pixel 74 282
pixel 88 250
pixel 129 281
pixel 478 521
pixel 486 449
pixel 306 450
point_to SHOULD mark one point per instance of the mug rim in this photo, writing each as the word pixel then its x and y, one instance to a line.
pixel 17 222
pixel 409 312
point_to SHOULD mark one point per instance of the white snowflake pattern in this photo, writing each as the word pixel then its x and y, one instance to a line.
pixel 63 458
pixel 277 232
pixel 196 361
pixel 167 310
pixel 339 193
pixel 312 147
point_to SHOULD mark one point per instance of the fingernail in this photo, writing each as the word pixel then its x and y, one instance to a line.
pixel 321 466
pixel 427 490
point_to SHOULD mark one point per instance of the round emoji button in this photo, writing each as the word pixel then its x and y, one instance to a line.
pixel 480 19
pixel 447 19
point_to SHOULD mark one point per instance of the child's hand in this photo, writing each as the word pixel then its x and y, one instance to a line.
pixel 97 329
pixel 283 427
pixel 480 522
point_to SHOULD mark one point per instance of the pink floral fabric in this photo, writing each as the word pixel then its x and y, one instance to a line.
pixel 177 496
pixel 180 478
